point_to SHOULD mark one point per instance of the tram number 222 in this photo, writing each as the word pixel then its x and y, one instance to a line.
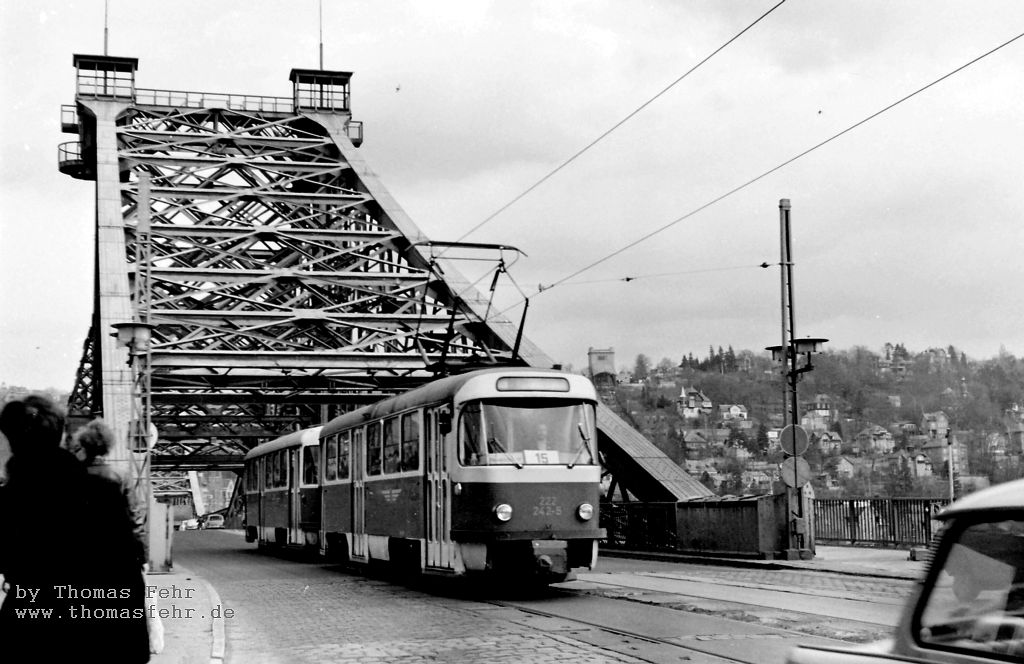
pixel 547 506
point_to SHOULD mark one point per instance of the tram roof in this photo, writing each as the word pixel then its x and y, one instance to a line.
pixel 308 436
pixel 433 392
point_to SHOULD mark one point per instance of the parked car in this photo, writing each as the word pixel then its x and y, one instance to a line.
pixel 190 524
pixel 211 521
pixel 969 608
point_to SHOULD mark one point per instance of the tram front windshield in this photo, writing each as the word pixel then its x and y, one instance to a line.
pixel 527 432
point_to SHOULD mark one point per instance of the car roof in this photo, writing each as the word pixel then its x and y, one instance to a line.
pixel 1006 496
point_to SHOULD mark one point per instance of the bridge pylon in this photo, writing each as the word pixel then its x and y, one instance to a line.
pixel 285 283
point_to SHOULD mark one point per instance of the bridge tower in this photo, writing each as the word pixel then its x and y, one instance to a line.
pixel 284 283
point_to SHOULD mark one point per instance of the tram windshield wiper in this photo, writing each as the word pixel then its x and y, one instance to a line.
pixel 492 443
pixel 585 446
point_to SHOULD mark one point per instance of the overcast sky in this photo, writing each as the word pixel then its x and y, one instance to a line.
pixel 906 229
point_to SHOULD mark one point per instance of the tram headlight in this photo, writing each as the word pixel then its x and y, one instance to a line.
pixel 503 511
pixel 585 511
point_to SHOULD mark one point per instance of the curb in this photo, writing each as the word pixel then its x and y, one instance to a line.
pixel 217 625
pixel 218 640
pixel 755 563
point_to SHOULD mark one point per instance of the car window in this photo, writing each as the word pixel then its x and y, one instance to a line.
pixel 976 604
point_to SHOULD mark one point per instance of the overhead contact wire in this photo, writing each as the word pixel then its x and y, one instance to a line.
pixel 778 167
pixel 614 127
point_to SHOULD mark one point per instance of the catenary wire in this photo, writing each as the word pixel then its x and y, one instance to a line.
pixel 614 127
pixel 768 172
pixel 656 275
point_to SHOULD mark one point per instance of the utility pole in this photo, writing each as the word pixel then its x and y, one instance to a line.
pixel 949 460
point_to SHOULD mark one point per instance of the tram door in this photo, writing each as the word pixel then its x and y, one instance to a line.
pixel 259 467
pixel 358 469
pixel 294 502
pixel 438 508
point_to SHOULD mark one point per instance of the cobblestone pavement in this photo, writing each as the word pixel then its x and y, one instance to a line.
pixel 291 611
pixel 882 591
pixel 344 620
pixel 286 611
pixel 796 579
pixel 893 589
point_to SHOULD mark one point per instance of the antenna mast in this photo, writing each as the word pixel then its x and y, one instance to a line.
pixel 321 34
pixel 106 6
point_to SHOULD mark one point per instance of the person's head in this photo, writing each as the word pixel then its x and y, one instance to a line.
pixel 32 424
pixel 542 434
pixel 93 440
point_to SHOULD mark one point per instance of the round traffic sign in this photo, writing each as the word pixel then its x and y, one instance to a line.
pixel 793 439
pixel 795 471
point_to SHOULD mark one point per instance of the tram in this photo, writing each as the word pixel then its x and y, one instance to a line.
pixel 282 490
pixel 492 471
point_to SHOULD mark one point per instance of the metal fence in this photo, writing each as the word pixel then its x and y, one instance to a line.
pixel 748 527
pixel 719 526
pixel 879 521
pixel 640 526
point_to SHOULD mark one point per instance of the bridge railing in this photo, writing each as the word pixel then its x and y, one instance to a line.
pixel 879 521
pixel 189 99
pixel 744 526
pixel 756 525
pixel 640 526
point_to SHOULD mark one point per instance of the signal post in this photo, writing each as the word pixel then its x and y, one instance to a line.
pixel 794 471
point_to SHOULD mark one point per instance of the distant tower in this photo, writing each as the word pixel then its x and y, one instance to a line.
pixel 602 366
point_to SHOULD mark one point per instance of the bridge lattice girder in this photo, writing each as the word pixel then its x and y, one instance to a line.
pixel 286 285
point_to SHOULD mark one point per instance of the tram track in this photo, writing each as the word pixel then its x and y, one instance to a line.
pixel 654 633
pixel 867 609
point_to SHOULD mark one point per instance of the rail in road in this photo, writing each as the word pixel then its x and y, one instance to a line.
pixel 287 610
pixel 655 633
pixel 865 608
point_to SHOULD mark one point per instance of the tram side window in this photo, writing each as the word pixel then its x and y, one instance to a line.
pixel 310 464
pixel 392 450
pixel 281 464
pixel 411 441
pixel 373 450
pixel 331 458
pixel 471 446
pixel 268 472
pixel 343 455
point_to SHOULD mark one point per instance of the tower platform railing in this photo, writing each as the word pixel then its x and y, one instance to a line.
pixel 235 102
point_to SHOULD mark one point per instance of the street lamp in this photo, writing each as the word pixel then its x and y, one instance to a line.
pixel 808 346
pixel 134 336
pixel 788 355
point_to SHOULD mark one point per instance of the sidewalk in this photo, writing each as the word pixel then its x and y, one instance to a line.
pixel 862 561
pixel 854 560
pixel 193 629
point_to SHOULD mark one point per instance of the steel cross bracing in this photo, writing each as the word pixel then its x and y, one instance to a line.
pixel 279 288
pixel 286 284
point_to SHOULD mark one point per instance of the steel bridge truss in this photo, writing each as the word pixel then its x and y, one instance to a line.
pixel 280 292
pixel 285 284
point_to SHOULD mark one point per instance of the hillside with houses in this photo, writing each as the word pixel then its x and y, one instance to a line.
pixel 880 423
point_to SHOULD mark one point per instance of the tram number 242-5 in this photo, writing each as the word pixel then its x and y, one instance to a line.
pixel 547 506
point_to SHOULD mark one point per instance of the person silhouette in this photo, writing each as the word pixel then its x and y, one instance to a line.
pixel 63 529
pixel 542 442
